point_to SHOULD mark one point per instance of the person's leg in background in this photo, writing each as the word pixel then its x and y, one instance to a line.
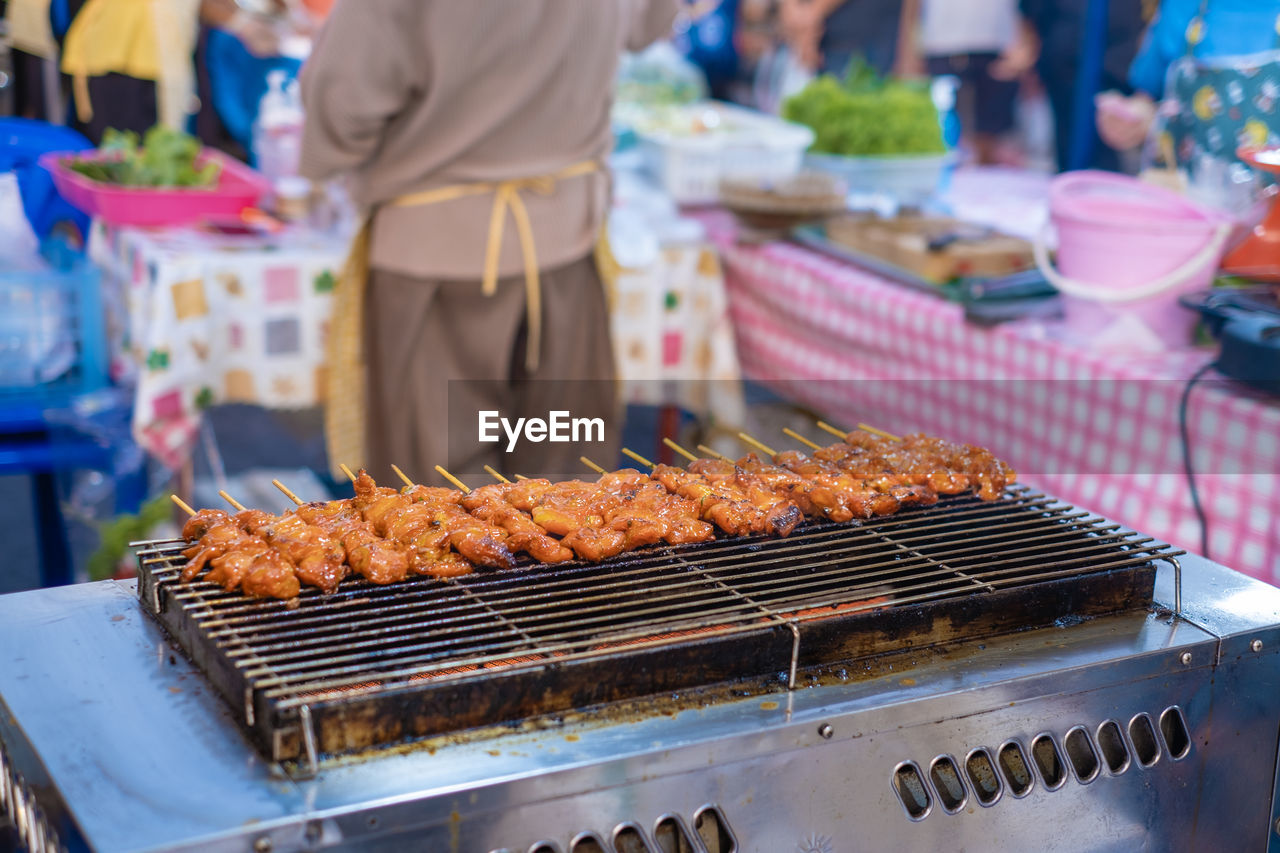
pixel 993 107
pixel 437 352
pixel 575 373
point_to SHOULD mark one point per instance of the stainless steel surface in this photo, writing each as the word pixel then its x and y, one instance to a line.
pixel 139 753
pixel 303 675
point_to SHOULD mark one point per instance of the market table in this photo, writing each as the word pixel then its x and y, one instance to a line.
pixel 1098 430
pixel 205 319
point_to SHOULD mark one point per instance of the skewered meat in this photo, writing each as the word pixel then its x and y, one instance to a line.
pixel 946 467
pixel 429 522
pixel 619 512
pixel 648 499
pixel 230 569
pixel 219 537
pixel 734 509
pixel 481 542
pixel 864 497
pixel 199 524
pixel 490 504
pixel 814 499
pixel 271 576
pixel 385 535
pixel 368 554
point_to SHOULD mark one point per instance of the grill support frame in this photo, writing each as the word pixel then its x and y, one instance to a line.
pixel 117 774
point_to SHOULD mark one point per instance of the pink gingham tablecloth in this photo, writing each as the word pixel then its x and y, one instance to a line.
pixel 1097 431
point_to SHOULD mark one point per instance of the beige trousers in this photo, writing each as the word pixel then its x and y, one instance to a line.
pixel 440 351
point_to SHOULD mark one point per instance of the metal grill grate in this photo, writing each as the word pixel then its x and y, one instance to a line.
pixel 370 665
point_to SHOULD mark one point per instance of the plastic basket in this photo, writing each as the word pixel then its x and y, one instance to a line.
pixel 743 144
pixel 52 333
pixel 238 187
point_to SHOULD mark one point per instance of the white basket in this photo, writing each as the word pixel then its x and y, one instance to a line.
pixel 910 180
pixel 747 144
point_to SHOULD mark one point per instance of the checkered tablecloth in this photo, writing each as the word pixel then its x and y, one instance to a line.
pixel 1095 430
pixel 672 340
pixel 212 320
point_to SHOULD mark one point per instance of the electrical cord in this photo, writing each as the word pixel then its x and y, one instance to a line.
pixel 1185 431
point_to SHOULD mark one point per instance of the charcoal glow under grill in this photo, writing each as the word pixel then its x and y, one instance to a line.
pixel 372 665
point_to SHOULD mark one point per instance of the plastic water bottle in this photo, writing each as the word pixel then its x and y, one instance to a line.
pixel 277 134
pixel 943 93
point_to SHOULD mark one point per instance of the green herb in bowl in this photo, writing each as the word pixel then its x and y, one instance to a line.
pixel 165 158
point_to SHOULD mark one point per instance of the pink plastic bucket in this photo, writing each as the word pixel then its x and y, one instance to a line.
pixel 1126 251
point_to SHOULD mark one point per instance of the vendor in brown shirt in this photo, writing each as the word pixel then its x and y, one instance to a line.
pixel 435 108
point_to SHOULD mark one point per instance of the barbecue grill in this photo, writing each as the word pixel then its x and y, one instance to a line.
pixel 1016 674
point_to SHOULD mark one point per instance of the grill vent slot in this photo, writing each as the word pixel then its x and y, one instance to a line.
pixel 587 842
pixel 544 847
pixel 18 804
pixel 1114 752
pixel 629 839
pixel 1013 764
pixel 909 785
pixel 1049 757
pixel 672 836
pixel 1044 752
pixel 946 781
pixel 1080 752
pixel 714 831
pixel 1143 737
pixel 1176 738
pixel 983 777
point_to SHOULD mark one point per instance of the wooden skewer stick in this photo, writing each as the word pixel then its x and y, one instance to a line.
pixel 800 438
pixel 678 449
pixel 763 448
pixel 823 425
pixel 713 454
pixel 401 475
pixel 182 505
pixel 495 475
pixel 521 477
pixel 347 471
pixel 879 432
pixel 593 466
pixel 636 456
pixel 838 433
pixel 235 503
pixel 290 495
pixel 452 479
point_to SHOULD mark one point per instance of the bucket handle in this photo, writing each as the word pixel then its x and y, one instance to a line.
pixel 1071 287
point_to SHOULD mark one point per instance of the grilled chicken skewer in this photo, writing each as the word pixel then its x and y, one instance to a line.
pixel 837 492
pixel 385 535
pixel 435 517
pixel 237 559
pixel 737 508
pixel 491 503
pixel 318 559
pixel 946 467
pixel 412 524
pixel 621 511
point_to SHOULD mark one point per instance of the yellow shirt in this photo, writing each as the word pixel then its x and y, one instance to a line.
pixel 146 39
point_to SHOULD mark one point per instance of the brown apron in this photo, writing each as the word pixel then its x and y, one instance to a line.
pixel 345 392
